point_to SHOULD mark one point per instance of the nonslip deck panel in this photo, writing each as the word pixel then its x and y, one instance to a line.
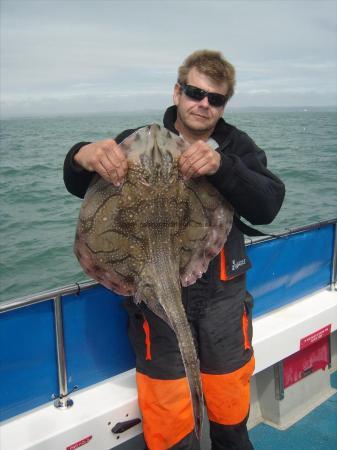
pixel 317 430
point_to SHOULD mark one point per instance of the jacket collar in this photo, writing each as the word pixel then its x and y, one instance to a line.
pixel 220 132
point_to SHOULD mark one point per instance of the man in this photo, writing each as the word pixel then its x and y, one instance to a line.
pixel 218 306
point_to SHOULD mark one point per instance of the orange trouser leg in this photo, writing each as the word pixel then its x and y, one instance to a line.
pixel 166 409
pixel 228 395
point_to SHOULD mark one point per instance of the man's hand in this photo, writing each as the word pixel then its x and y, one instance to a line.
pixel 105 158
pixel 199 159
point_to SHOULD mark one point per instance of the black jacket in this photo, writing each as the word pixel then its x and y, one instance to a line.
pixel 243 179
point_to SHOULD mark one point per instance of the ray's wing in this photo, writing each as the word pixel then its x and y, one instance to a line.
pixel 210 223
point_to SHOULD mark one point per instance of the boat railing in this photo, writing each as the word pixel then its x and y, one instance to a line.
pixel 76 288
pixel 15 303
pixel 56 295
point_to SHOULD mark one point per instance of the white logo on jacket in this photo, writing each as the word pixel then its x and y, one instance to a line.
pixel 237 264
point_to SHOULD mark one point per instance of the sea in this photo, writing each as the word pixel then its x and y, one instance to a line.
pixel 39 216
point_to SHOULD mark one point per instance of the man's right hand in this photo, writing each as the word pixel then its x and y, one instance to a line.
pixel 105 158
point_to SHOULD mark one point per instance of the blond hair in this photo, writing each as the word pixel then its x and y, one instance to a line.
pixel 211 63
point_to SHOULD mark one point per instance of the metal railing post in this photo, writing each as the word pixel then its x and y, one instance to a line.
pixel 63 401
pixel 279 383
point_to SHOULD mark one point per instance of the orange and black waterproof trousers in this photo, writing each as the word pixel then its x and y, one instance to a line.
pixel 220 320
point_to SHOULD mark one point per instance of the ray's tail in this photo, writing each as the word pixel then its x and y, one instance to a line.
pixel 192 370
pixel 166 302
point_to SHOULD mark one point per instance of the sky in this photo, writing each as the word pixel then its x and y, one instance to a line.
pixel 89 56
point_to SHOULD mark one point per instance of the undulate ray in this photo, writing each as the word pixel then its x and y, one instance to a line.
pixel 154 234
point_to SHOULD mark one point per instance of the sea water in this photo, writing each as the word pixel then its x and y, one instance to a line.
pixel 38 215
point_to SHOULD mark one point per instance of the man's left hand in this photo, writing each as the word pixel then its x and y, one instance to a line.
pixel 199 159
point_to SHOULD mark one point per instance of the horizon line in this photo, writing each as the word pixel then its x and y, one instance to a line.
pixel 302 108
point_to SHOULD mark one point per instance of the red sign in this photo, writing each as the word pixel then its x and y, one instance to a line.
pixel 79 443
pixel 306 361
pixel 314 337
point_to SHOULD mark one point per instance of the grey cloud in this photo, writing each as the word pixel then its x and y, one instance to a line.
pixel 77 52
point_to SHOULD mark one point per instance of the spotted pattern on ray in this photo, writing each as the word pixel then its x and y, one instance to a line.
pixel 154 234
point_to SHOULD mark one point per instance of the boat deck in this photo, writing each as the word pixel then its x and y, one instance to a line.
pixel 316 431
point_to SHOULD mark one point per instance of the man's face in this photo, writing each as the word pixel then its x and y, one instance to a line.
pixel 198 117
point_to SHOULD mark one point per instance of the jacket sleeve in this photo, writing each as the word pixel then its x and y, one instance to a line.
pixel 244 180
pixel 77 179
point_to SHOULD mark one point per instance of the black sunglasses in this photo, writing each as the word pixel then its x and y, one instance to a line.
pixel 198 94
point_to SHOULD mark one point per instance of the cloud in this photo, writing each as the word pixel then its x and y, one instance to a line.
pixel 57 51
